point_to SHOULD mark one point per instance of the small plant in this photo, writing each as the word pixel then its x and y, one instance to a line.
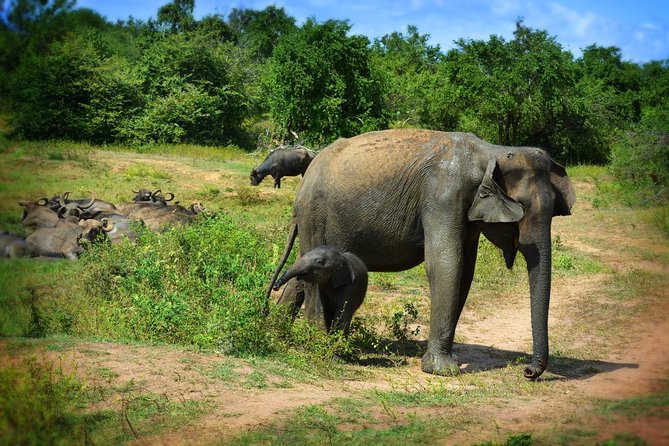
pixel 248 195
pixel 144 171
pixel 400 320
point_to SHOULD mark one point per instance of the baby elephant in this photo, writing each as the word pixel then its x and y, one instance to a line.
pixel 341 279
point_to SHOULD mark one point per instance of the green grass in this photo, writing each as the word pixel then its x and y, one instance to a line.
pixel 318 425
pixel 653 405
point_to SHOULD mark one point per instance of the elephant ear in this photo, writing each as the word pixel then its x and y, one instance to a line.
pixel 343 276
pixel 565 197
pixel 492 204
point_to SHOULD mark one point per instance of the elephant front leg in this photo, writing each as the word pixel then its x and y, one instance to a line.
pixel 450 268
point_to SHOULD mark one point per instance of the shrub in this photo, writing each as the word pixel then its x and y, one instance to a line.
pixel 200 285
pixel 640 158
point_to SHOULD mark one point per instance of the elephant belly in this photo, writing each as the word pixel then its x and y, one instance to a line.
pixel 381 249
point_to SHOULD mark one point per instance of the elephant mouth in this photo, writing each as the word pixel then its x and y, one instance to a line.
pixel 307 277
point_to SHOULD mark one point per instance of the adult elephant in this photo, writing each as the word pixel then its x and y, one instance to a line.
pixel 396 198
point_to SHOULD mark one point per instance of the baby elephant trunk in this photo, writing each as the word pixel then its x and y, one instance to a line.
pixel 301 268
pixel 279 283
pixel 284 278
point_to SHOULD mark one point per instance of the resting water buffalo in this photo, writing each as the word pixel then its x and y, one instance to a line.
pixel 157 217
pixel 68 242
pixel 36 215
pixel 13 246
pixel 84 207
pixel 281 163
pixel 124 226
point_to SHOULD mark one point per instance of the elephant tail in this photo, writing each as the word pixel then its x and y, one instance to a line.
pixel 289 247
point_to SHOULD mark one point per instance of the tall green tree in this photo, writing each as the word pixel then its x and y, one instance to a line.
pixel 417 92
pixel 322 84
pixel 259 31
pixel 620 79
pixel 177 16
pixel 521 92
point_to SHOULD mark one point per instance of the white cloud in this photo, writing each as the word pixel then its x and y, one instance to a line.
pixel 579 23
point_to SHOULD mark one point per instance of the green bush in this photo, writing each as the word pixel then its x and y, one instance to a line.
pixel 201 285
pixel 640 158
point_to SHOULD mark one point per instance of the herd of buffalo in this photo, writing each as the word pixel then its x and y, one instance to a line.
pixel 63 227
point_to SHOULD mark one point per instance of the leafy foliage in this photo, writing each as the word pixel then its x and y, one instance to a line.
pixel 518 92
pixel 68 73
pixel 322 84
pixel 640 157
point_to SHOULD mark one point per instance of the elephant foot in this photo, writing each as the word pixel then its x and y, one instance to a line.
pixel 440 364
pixel 532 372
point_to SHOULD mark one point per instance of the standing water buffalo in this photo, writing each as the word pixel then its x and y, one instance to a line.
pixel 396 198
pixel 281 163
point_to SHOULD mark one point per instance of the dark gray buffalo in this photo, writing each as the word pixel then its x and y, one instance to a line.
pixel 282 163
pixel 37 215
pixel 68 242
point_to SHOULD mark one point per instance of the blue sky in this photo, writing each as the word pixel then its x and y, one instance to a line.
pixel 639 28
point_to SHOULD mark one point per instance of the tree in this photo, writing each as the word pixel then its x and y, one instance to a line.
pixel 322 84
pixel 259 31
pixel 177 16
pixel 418 93
pixel 521 92
pixel 622 79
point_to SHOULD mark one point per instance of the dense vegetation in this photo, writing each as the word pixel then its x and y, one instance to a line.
pixel 68 73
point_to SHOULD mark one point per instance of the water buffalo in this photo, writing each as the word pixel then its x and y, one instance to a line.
pixel 37 215
pixel 12 246
pixel 68 242
pixel 157 217
pixel 282 162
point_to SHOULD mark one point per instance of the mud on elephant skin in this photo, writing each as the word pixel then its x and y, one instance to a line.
pixel 396 198
pixel 340 279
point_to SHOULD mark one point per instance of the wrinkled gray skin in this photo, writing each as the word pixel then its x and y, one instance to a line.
pixel 68 242
pixel 13 247
pixel 282 163
pixel 341 280
pixel 396 198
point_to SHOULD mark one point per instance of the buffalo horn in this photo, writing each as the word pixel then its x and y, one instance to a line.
pixel 107 224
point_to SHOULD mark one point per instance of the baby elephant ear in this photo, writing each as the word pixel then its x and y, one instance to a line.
pixel 492 204
pixel 343 276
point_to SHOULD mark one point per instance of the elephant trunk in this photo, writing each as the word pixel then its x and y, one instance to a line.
pixel 537 253
pixel 292 272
